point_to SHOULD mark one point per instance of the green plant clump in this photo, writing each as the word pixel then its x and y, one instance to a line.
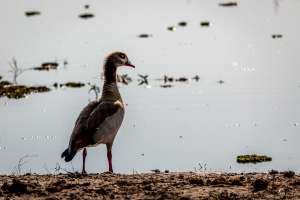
pixel 19 91
pixel 252 159
pixel 71 84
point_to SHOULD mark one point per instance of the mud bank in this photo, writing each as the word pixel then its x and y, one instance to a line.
pixel 187 185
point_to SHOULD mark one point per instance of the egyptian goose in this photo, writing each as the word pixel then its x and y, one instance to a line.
pixel 99 122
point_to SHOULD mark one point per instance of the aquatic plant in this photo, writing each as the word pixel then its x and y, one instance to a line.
pixel 96 89
pixel 17 71
pixel 252 159
pixel 19 91
pixel 143 80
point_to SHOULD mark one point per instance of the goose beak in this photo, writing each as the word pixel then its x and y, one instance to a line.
pixel 128 63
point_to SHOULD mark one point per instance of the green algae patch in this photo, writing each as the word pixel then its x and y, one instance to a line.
pixel 20 91
pixel 70 84
pixel 243 159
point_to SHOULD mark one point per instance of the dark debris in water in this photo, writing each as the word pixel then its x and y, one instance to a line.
pixel 87 6
pixel 124 79
pixel 276 36
pixel 47 66
pixel 143 79
pixel 145 35
pixel 230 4
pixel 1 77
pixel 86 15
pixel 70 84
pixel 166 86
pixel 32 13
pixel 168 78
pixel 205 24
pixel 19 91
pixel 182 79
pixel 252 159
pixel 172 28
pixel 196 78
pixel 221 81
pixel 182 24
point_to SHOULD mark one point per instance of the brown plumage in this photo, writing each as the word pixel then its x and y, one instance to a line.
pixel 99 122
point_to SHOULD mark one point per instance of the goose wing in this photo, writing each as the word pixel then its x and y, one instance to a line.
pixel 87 123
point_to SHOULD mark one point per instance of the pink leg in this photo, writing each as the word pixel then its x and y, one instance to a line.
pixel 109 156
pixel 84 155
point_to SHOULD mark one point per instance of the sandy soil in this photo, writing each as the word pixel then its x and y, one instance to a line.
pixel 188 185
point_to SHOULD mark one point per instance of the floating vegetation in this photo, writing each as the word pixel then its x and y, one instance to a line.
pixel 70 84
pixel 32 13
pixel 182 24
pixel 276 36
pixel 5 83
pixel 47 66
pixel 230 4
pixel 19 91
pixel 206 24
pixel 168 78
pixel 145 35
pixel 143 80
pixel 172 28
pixel 166 86
pixel 124 79
pixel 196 78
pixel 182 79
pixel 220 81
pixel 252 159
pixel 86 16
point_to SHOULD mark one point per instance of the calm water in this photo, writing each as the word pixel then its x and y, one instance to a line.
pixel 164 128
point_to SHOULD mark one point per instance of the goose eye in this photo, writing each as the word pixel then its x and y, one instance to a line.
pixel 122 55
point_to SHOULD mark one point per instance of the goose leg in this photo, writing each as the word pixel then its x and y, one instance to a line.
pixel 84 155
pixel 109 156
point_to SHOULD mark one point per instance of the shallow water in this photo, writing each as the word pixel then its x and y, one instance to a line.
pixel 164 128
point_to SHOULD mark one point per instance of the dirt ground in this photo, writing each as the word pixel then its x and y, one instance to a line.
pixel 187 185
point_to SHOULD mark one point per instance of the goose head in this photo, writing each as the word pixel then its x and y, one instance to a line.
pixel 118 59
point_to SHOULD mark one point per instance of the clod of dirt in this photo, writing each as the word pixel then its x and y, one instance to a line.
pixel 196 180
pixel 236 182
pixel 155 171
pixel 182 23
pixel 260 184
pixel 166 86
pixel 230 4
pixel 206 24
pixel 86 16
pixel 276 36
pixel 32 13
pixel 172 28
pixel 242 178
pixel 288 174
pixel 295 182
pixel 219 180
pixel 16 187
pixel 272 172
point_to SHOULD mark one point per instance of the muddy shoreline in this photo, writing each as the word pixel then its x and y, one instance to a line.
pixel 187 185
